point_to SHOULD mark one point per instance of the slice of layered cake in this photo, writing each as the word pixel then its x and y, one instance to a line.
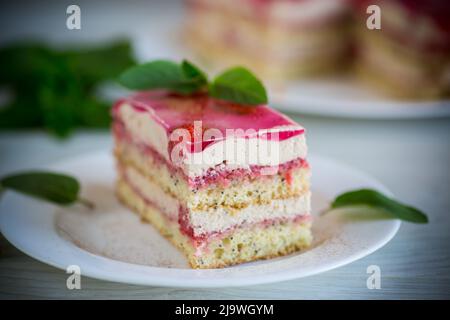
pixel 225 182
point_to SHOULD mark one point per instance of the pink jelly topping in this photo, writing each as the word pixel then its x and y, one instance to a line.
pixel 173 111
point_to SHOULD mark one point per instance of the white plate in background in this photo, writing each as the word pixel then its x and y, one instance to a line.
pixel 111 243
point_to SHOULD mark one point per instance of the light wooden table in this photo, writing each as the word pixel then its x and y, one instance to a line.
pixel 412 158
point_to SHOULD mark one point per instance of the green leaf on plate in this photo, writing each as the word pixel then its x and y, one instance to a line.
pixel 57 188
pixel 375 199
pixel 239 85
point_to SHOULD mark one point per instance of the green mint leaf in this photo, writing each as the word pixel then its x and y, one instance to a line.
pixel 375 199
pixel 193 72
pixel 53 187
pixel 160 74
pixel 239 85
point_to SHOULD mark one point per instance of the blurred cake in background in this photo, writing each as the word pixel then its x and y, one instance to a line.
pixel 410 56
pixel 279 40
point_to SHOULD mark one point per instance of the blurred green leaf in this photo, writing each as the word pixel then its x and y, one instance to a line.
pixel 95 114
pixel 20 114
pixel 55 89
pixel 95 65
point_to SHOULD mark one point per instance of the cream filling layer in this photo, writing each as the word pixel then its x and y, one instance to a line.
pixel 152 193
pixel 216 219
pixel 236 152
pixel 221 219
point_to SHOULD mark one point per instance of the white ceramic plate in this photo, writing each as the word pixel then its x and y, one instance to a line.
pixel 111 243
pixel 327 97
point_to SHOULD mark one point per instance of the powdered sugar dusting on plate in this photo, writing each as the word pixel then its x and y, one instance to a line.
pixel 115 232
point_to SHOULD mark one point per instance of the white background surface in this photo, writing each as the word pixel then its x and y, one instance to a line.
pixel 412 158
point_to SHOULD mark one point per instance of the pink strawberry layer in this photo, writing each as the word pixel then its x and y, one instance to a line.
pixel 214 176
